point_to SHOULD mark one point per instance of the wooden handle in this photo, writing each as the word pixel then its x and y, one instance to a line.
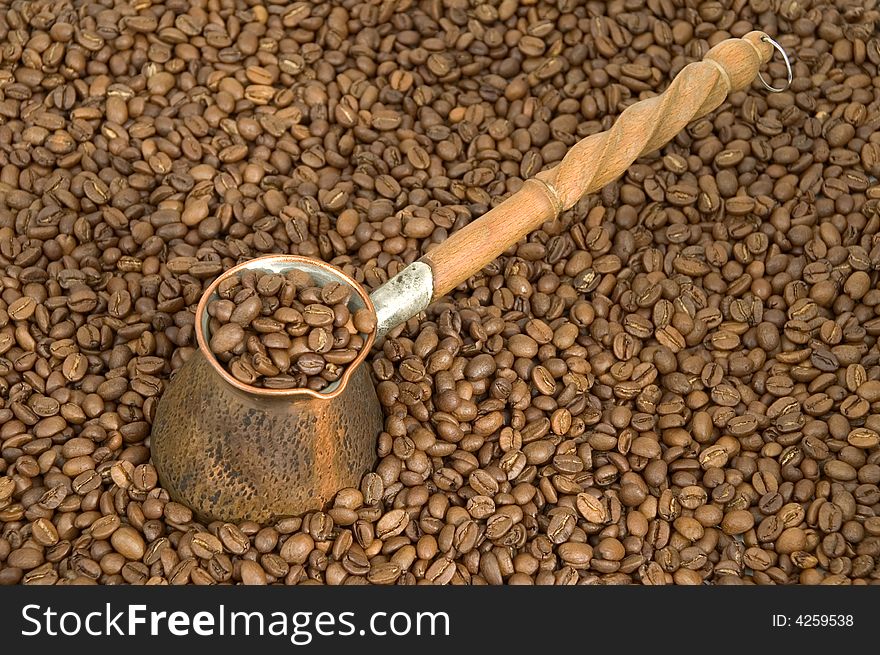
pixel 600 158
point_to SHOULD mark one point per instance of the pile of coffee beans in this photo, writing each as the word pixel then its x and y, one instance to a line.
pixel 284 332
pixel 677 382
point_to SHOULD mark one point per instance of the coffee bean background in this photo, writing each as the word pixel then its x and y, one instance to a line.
pixel 677 382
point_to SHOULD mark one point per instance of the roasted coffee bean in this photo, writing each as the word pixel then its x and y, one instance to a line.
pixel 128 542
pixel 364 321
pixel 226 338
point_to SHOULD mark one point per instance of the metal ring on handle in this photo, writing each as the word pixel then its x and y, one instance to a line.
pixel 773 89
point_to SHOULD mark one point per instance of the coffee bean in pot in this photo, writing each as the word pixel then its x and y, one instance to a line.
pixel 302 362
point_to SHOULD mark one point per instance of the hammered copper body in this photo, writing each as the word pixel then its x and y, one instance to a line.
pixel 234 452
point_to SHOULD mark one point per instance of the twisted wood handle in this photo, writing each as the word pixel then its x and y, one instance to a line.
pixel 598 159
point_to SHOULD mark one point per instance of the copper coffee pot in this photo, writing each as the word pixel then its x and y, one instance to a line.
pixel 232 452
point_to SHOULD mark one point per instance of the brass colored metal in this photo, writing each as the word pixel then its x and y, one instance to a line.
pixel 233 452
